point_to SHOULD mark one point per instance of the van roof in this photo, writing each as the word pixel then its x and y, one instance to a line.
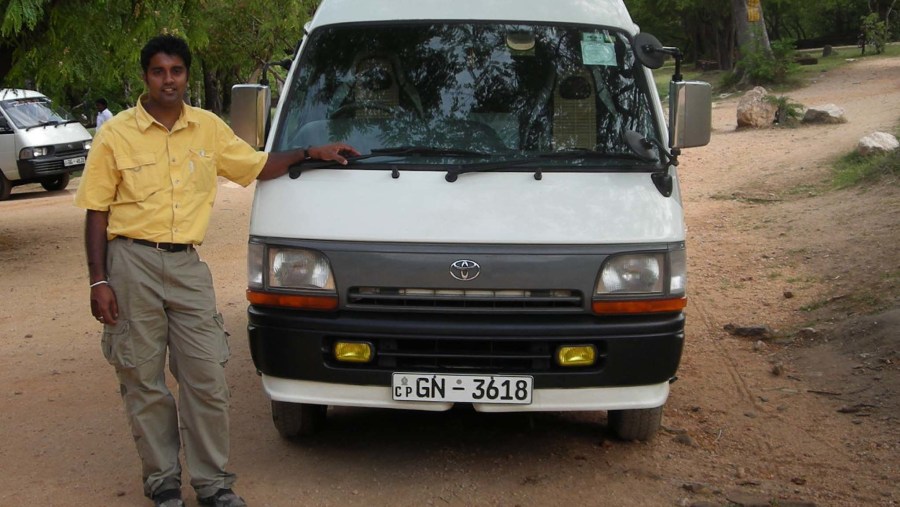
pixel 611 13
pixel 13 93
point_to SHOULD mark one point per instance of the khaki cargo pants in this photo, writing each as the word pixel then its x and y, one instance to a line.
pixel 167 303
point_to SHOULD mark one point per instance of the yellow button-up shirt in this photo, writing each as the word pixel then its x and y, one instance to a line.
pixel 160 185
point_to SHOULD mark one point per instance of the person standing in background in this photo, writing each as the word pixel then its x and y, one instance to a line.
pixel 103 113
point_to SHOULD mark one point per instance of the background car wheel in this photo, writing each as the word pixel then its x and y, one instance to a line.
pixel 638 424
pixel 56 183
pixel 297 419
pixel 5 187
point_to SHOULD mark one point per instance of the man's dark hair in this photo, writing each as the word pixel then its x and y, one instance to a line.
pixel 102 102
pixel 168 44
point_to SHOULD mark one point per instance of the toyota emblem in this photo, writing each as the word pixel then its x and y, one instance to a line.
pixel 465 270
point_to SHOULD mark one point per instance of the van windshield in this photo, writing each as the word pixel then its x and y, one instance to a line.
pixel 33 112
pixel 437 94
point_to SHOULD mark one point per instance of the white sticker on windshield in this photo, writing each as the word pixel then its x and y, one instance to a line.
pixel 597 49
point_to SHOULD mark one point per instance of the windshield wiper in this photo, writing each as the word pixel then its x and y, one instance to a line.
pixel 427 151
pixel 399 151
pixel 46 123
pixel 591 154
pixel 452 174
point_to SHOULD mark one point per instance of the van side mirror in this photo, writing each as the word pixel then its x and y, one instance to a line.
pixel 690 114
pixel 250 112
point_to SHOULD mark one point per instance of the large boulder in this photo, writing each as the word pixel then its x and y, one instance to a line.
pixel 827 113
pixel 755 111
pixel 878 142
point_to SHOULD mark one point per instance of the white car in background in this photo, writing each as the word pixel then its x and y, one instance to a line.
pixel 39 143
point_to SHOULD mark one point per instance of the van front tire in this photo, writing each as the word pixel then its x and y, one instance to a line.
pixel 294 420
pixel 56 183
pixel 5 188
pixel 636 424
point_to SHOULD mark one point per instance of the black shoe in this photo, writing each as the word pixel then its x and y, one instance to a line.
pixel 223 498
pixel 168 498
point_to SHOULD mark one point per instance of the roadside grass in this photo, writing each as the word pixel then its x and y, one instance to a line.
pixel 854 169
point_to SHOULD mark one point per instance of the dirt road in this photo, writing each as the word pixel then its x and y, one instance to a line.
pixel 792 418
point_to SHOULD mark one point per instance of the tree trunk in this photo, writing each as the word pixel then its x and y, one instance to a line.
pixel 213 99
pixel 750 27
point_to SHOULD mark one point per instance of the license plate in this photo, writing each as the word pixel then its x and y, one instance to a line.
pixel 513 389
pixel 68 162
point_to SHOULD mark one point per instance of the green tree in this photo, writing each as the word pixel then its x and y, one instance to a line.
pixel 76 50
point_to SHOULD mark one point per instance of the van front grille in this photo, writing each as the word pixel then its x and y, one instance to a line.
pixel 464 300
pixel 448 355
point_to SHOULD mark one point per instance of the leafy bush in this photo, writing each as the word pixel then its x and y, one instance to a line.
pixel 759 66
pixel 789 113
pixel 875 33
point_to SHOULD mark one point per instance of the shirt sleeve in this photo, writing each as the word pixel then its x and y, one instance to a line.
pixel 237 160
pixel 99 180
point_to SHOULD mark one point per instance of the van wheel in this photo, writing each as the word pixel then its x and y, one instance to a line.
pixel 56 183
pixel 294 420
pixel 5 188
pixel 637 424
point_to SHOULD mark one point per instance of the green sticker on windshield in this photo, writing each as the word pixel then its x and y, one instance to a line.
pixel 597 49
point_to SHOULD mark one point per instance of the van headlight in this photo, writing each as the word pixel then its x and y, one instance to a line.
pixel 288 268
pixel 87 145
pixel 33 153
pixel 290 278
pixel 294 268
pixel 632 274
pixel 642 282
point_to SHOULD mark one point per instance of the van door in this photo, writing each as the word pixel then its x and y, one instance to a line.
pixel 8 149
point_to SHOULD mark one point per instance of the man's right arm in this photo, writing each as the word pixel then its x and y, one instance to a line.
pixel 103 300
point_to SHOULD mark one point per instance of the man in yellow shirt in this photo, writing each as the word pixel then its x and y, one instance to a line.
pixel 148 187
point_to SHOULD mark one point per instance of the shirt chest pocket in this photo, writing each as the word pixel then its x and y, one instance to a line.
pixel 202 170
pixel 141 176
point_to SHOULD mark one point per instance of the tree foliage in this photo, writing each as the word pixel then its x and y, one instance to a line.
pixel 77 50
pixel 705 29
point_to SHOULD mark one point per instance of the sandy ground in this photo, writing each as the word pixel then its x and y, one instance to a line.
pixel 808 416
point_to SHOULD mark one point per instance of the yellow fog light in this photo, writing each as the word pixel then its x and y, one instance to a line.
pixel 353 352
pixel 577 355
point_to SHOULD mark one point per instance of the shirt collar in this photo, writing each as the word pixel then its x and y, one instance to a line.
pixel 145 120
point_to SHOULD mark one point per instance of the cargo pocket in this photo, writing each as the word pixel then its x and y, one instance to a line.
pixel 117 345
pixel 224 352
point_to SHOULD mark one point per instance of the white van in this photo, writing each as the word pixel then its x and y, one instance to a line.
pixel 39 143
pixel 512 237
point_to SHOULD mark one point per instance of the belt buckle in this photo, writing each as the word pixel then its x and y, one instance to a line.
pixel 158 249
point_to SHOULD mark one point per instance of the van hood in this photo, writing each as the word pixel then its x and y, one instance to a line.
pixel 52 135
pixel 511 208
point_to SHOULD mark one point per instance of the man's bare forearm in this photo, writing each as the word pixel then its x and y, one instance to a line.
pixel 95 244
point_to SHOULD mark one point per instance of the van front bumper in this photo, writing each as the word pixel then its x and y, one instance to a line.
pixel 42 167
pixel 291 348
pixel 543 400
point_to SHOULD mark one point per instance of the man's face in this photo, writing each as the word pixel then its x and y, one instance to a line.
pixel 166 79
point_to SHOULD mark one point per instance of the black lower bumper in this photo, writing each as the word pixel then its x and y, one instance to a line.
pixel 632 351
pixel 36 169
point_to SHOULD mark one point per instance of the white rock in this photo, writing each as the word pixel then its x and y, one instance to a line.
pixel 754 110
pixel 878 142
pixel 827 113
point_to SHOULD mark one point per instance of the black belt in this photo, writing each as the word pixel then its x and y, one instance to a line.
pixel 166 247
